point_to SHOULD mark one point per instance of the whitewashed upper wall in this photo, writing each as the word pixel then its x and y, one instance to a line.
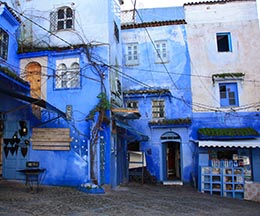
pixel 93 21
pixel 204 22
pixel 221 12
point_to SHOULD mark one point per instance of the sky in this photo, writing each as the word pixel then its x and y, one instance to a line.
pixel 128 4
pixel 154 3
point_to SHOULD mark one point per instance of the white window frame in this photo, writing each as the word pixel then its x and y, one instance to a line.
pixel 133 104
pixel 67 75
pixel 4 38
pixel 158 109
pixel 132 54
pixel 55 19
pixel 162 53
pixel 61 76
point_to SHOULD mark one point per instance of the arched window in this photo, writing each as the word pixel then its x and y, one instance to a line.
pixel 170 136
pixel 68 77
pixel 61 19
pixel 61 76
pixel 74 75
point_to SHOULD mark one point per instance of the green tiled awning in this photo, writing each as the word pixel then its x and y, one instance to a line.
pixel 226 133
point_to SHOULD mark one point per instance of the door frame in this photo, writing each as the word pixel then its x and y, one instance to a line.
pixel 1 154
pixel 171 138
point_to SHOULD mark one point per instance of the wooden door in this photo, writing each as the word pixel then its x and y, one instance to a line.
pixel 33 76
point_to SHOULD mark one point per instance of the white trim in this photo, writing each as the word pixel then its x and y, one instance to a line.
pixel 247 143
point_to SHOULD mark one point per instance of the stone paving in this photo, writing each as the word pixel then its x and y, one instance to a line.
pixel 131 199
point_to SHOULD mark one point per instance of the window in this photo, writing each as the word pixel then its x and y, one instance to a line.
pixel 74 76
pixel 161 52
pixel 132 104
pixel 118 87
pixel 116 31
pixel 158 109
pixel 132 54
pixel 61 76
pixel 61 19
pixel 3 44
pixel 228 94
pixel 68 77
pixel 224 42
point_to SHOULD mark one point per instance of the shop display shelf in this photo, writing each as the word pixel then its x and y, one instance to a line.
pixel 227 182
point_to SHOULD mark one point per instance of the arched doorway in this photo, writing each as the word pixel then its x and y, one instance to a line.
pixel 171 150
pixel 33 76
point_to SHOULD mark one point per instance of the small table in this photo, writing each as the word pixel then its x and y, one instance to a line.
pixel 32 175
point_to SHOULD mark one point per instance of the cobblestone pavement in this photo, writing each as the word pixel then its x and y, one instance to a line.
pixel 131 199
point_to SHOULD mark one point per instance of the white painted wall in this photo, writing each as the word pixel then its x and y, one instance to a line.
pixel 93 21
pixel 204 21
pixel 221 12
pixel 43 61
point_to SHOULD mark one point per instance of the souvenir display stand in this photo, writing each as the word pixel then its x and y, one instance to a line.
pixel 227 181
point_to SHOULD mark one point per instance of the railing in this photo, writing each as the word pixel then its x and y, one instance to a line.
pixel 116 8
pixel 128 17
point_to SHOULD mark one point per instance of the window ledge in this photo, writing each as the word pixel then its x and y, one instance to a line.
pixel 162 62
pixel 131 64
pixel 227 76
pixel 165 122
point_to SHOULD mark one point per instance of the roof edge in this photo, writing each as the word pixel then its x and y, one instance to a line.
pixel 153 24
pixel 215 2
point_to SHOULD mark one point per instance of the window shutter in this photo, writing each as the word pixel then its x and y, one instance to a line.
pixel 53 21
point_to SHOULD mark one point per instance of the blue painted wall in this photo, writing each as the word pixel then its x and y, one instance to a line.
pixel 173 75
pixel 226 120
pixel 159 14
pixel 12 110
pixel 72 167
pixel 10 24
pixel 256 164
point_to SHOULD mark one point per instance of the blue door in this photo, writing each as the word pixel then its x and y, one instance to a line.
pixel 113 164
pixel 15 148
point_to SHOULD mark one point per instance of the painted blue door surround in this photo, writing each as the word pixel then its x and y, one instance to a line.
pixel 172 139
pixel 171 169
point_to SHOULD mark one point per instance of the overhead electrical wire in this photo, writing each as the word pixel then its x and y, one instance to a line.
pixel 111 66
pixel 210 108
pixel 156 50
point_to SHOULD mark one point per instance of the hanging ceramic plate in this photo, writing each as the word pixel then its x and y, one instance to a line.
pixel 12 150
pixel 21 132
pixel 6 150
pixel 24 151
pixel 6 141
pixel 11 141
pixel 27 142
pixel 16 148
